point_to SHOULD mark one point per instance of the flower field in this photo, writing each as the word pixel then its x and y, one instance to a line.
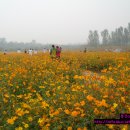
pixel 38 93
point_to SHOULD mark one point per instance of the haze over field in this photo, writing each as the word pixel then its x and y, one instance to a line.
pixel 60 21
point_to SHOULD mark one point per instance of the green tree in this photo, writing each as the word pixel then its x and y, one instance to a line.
pixel 105 36
pixel 96 38
pixel 93 38
pixel 90 38
pixel 126 35
pixel 129 32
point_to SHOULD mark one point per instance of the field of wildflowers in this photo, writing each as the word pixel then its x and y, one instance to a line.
pixel 37 93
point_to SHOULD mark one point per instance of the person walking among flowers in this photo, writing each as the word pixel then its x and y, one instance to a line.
pixel 53 52
pixel 58 51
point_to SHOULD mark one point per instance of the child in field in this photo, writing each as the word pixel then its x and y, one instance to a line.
pixel 53 52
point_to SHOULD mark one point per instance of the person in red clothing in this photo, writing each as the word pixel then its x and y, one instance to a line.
pixel 58 51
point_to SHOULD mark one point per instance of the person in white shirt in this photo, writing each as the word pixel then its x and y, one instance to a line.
pixel 18 51
pixel 30 51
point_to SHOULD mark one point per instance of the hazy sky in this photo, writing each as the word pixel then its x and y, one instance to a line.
pixel 60 21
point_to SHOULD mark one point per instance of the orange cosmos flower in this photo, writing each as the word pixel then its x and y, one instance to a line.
pixel 74 113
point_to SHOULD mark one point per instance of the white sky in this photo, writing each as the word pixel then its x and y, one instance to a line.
pixel 60 21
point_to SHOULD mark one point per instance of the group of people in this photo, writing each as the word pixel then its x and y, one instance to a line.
pixel 55 52
pixel 34 51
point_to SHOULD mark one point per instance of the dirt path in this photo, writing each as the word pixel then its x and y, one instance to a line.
pixel 90 73
pixel 92 76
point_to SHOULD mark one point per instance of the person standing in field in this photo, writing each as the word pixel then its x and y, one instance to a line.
pixel 35 51
pixel 25 51
pixel 5 52
pixel 18 51
pixel 44 50
pixel 53 52
pixel 58 51
pixel 85 50
pixel 30 51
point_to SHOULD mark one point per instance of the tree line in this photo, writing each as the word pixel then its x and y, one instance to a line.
pixel 14 46
pixel 119 37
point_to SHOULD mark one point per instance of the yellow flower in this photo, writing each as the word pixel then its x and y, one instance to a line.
pixel 123 99
pixel 103 103
pixel 110 126
pixel 19 128
pixel 26 125
pixel 90 98
pixel 59 87
pixel 45 128
pixel 24 105
pixel 20 112
pixel 125 127
pixel 67 111
pixel 81 77
pixel 110 68
pixel 4 112
pixel 5 100
pixel 85 128
pixel 30 118
pixel 112 109
pixel 115 105
pixel 39 97
pixel 47 125
pixel 67 81
pixel 20 96
pixel 128 108
pixel 82 103
pixel 79 128
pixel 69 128
pixel 11 120
pixel 41 121
pixel 41 86
pixel 105 96
pixel 44 104
pixel 54 113
pixel 6 95
pixel 96 111
pixel 82 115
pixel 48 94
pixel 77 104
pixel 76 77
pixel 104 70
pixel 74 113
